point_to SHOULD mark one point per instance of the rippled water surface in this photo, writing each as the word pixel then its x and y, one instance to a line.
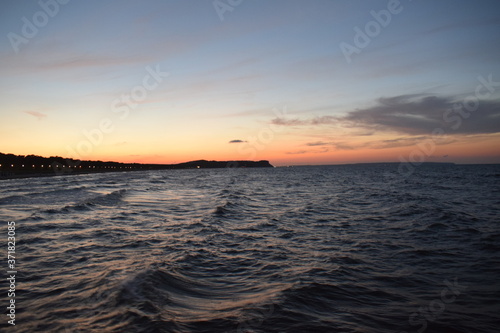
pixel 305 249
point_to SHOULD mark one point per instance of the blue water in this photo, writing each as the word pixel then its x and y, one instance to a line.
pixel 358 248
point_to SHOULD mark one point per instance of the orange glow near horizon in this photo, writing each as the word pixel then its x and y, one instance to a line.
pixel 480 150
pixel 248 89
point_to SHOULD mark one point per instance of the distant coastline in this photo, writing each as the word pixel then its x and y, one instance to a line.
pixel 367 164
pixel 20 166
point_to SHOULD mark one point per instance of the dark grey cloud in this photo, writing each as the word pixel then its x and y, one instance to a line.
pixel 237 141
pixel 416 114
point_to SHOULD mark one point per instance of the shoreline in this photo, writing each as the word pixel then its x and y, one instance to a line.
pixel 32 166
pixel 55 174
pixel 74 172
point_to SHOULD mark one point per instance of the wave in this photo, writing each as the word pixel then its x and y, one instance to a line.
pixel 337 252
pixel 110 199
pixel 161 286
pixel 225 208
pixel 188 303
pixel 43 197
pixel 101 200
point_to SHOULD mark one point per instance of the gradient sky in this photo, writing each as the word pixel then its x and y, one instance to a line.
pixel 258 79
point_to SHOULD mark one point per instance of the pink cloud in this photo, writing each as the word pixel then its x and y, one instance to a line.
pixel 36 114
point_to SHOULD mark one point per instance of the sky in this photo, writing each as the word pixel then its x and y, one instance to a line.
pixel 290 81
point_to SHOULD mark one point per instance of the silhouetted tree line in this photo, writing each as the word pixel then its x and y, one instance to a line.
pixel 27 164
pixel 11 164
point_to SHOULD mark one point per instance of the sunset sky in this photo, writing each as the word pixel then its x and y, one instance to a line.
pixel 293 82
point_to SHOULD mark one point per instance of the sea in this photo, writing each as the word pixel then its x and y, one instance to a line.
pixel 346 248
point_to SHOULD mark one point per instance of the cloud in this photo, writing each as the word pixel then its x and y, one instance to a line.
pixel 36 114
pixel 416 114
pixel 301 152
pixel 318 143
pixel 377 144
pixel 309 151
pixel 247 113
pixel 324 120
pixel 298 152
pixel 237 141
pixel 473 23
pixel 288 122
pixel 88 61
pixel 59 60
pixel 343 146
pixel 336 145
pixel 409 141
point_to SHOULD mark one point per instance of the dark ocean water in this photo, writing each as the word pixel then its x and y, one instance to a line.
pixel 306 249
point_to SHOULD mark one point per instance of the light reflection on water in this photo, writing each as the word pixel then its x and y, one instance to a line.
pixel 268 250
